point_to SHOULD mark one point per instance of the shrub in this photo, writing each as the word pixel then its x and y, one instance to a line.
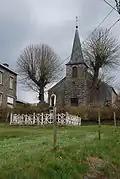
pixel 30 109
pixel 91 112
pixel 4 114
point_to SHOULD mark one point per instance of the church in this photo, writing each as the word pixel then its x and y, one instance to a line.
pixel 75 88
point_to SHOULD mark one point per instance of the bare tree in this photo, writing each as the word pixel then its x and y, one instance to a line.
pixel 118 5
pixel 101 52
pixel 38 66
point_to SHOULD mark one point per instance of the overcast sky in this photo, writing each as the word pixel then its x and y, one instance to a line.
pixel 23 22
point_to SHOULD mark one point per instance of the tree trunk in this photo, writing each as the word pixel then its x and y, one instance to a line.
pixel 94 87
pixel 95 78
pixel 41 95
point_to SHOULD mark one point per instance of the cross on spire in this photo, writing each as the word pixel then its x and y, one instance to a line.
pixel 76 22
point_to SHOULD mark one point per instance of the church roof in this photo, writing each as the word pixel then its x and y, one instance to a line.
pixel 76 55
pixel 59 83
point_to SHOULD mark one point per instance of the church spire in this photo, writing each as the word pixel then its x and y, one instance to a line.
pixel 76 56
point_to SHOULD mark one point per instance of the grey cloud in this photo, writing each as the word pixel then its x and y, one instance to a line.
pixel 14 25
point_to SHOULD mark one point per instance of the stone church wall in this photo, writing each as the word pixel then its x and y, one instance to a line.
pixel 75 87
pixel 58 89
pixel 98 96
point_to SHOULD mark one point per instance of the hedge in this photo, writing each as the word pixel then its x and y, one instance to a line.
pixel 91 112
pixel 85 112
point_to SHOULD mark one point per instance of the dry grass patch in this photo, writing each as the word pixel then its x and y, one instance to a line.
pixel 95 168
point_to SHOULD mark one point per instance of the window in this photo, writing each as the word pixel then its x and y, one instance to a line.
pixel 1 77
pixel 1 99
pixel 11 82
pixel 10 100
pixel 74 101
pixel 74 72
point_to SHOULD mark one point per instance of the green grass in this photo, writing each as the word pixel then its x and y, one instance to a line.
pixel 27 153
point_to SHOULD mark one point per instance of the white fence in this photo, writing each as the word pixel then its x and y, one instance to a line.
pixel 44 119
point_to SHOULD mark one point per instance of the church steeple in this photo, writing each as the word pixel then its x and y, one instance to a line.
pixel 76 55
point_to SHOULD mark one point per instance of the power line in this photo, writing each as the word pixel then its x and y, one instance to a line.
pixel 89 35
pixel 110 5
pixel 100 23
pixel 114 24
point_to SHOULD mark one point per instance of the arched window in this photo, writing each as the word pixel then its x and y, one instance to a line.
pixel 74 72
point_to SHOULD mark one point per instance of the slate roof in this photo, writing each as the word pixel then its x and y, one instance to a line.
pixel 76 55
pixel 7 68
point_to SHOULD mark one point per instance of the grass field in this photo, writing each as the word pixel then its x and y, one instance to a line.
pixel 27 153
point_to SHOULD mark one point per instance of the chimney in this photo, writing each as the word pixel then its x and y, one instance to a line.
pixel 6 64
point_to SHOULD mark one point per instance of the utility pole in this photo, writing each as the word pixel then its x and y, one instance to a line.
pixel 99 124
pixel 53 105
pixel 115 122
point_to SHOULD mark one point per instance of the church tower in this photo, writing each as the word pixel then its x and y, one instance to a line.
pixel 75 86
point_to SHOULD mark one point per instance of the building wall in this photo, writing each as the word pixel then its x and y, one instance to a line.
pixel 114 97
pixel 81 88
pixel 75 87
pixel 58 89
pixel 5 86
pixel 98 96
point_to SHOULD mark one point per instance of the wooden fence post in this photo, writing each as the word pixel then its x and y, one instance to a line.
pixel 53 104
pixel 115 122
pixel 99 124
pixel 11 118
pixel 54 129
